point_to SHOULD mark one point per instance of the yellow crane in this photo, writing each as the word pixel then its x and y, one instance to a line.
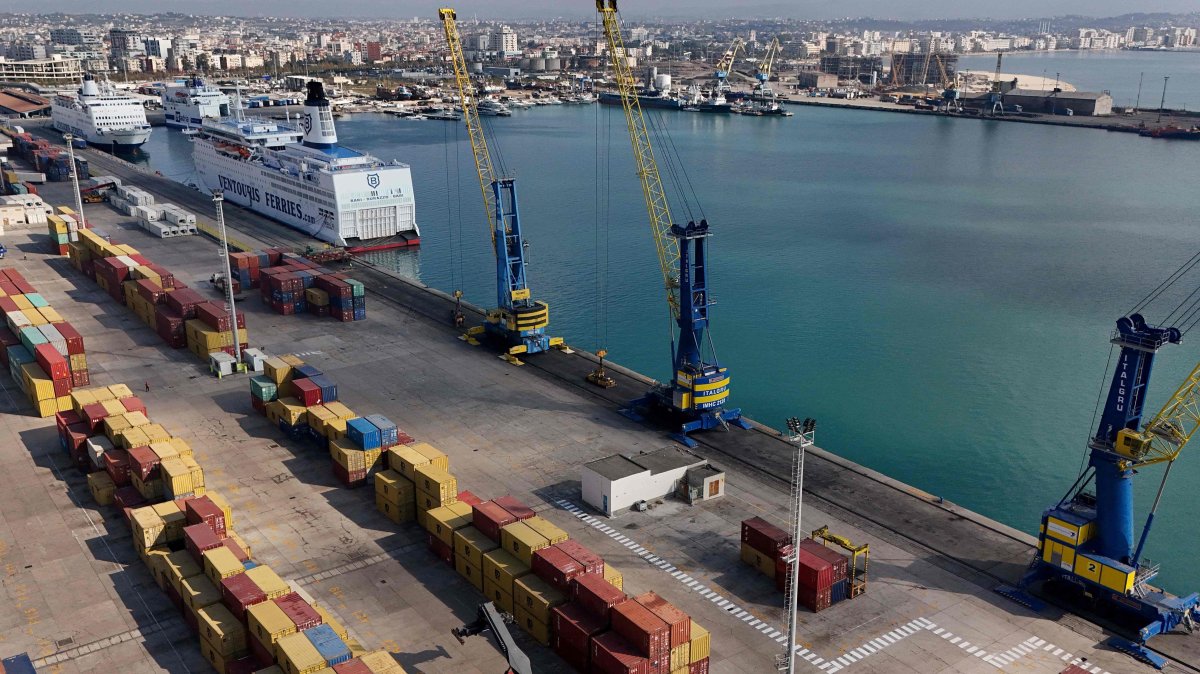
pixel 695 397
pixel 765 66
pixel 725 65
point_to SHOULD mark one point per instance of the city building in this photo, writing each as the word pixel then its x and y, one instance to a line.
pixel 504 41
pixel 123 43
pixel 1085 103
pixel 76 36
pixel 617 483
pixel 54 70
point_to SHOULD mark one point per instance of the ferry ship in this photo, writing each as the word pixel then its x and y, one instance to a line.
pixel 301 177
pixel 189 103
pixel 101 116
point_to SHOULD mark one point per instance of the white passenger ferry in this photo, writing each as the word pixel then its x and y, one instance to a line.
pixel 189 103
pixel 101 115
pixel 301 177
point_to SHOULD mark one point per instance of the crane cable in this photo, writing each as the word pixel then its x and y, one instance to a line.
pixel 1166 283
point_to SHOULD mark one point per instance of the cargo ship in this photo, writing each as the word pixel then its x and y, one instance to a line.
pixel 300 176
pixel 189 103
pixel 103 117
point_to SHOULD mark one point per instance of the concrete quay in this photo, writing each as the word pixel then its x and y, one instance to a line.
pixel 73 582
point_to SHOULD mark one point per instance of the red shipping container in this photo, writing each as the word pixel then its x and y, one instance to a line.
pixel 62 387
pixel 596 595
pixel 150 291
pixel 610 654
pixel 133 404
pixel 300 612
pixel 73 338
pixel 354 666
pixel 352 479
pixel 264 656
pixel 80 378
pixel 93 416
pixel 488 518
pixel 243 665
pixel 143 462
pixel 464 496
pixel 648 633
pixel 573 626
pixel 13 275
pixel 116 464
pixel 764 536
pixel 308 392
pixel 679 622
pixel 52 362
pixel 168 323
pixel 216 316
pixel 258 405
pixel 202 509
pixel 698 667
pixel 439 548
pixel 127 498
pixel 6 302
pixel 183 302
pixel 815 573
pixel 555 567
pixel 515 507
pixel 64 419
pixel 577 659
pixel 589 561
pixel 76 436
pixel 240 593
pixel 1074 669
pixel 235 549
pixel 841 563
pixel 813 599
pixel 199 537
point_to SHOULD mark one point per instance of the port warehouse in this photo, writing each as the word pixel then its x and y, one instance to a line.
pixel 161 250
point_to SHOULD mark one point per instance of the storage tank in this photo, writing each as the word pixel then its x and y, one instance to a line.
pixel 553 64
pixel 662 82
pixel 523 64
pixel 538 64
pixel 475 67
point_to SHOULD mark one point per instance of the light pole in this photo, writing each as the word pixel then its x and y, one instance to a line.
pixel 218 198
pixel 1163 103
pixel 82 223
pixel 801 434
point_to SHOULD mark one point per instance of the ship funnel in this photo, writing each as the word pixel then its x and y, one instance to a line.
pixel 89 87
pixel 317 118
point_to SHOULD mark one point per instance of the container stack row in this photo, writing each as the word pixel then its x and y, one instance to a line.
pixel 63 227
pixel 52 162
pixel 292 284
pixel 181 316
pixel 44 353
pixel 303 403
pixel 22 209
pixel 823 578
pixel 558 591
pixel 246 617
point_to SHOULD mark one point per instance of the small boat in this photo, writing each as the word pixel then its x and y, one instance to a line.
pixel 444 115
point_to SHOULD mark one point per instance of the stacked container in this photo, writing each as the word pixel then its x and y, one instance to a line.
pixel 823 575
pixel 44 353
pixel 292 284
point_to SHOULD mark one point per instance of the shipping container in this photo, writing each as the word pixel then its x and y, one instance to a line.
pixel 471 544
pixel 268 582
pixel 589 561
pixel 679 622
pixel 394 487
pixel 531 625
pixel 698 667
pixel 489 518
pixel 840 562
pixel 537 597
pixel 197 592
pixel 514 507
pixel 701 643
pixel 764 536
pixel 596 595
pixel 444 521
pixel 198 538
pixel 521 541
pixel 202 509
pixel 297 655
pixel 220 628
pixel 240 593
pixel 436 483
pixel 381 662
pixel 555 567
pixel 572 628
pixel 331 647
pixel 761 561
pixel 300 612
pixel 814 572
pixel 502 569
pixel 473 574
pixel 268 623
pixel 361 432
pixel 612 654
pixel 648 633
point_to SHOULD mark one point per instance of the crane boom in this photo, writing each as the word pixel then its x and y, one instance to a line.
pixel 725 65
pixel 1164 437
pixel 665 245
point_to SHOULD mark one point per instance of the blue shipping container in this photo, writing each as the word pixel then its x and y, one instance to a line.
pixel 360 314
pixel 839 591
pixel 248 564
pixel 37 300
pixel 333 650
pixel 389 435
pixel 20 355
pixel 328 388
pixel 363 433
pixel 17 664
pixel 305 371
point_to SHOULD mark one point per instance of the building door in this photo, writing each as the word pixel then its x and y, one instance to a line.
pixel 604 501
pixel 714 488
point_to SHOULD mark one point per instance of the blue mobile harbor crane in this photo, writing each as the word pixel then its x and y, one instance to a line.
pixel 1086 544
pixel 695 398
pixel 518 323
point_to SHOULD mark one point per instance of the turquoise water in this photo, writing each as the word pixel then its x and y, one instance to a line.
pixel 1115 71
pixel 937 292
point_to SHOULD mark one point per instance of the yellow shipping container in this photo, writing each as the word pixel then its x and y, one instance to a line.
pixel 335 429
pixel 182 447
pixel 289 410
pixel 35 317
pixel 132 437
pixel 82 397
pixel 394 487
pixel 436 456
pixel 277 370
pixel 102 488
pixel 614 577
pixel 156 561
pixel 316 297
pixel 341 411
pixel 268 581
pixel 328 619
pixel 548 530
pixel 444 521
pixel 380 662
pixel 503 600
pixel 537 597
pixel 149 490
pixel 293 360
pixel 318 416
pixel 173 518
pixel 396 512
pixel 176 476
pixel 148 528
pixel 120 391
pixel 532 626
pixel 221 503
pixel 212 654
pixel 268 623
pixel 346 455
pixel 112 407
pixel 296 655
pixel 238 539
pixel 135 419
pixel 503 569
pixel 64 403
pixel 220 563
pixel 473 574
pixel 701 644
pixel 22 302
pixel 521 541
pixel 44 409
pixel 155 432
pixel 178 566
pixel 438 484
pixel 199 592
pixel 39 385
pixel 51 315
pixel 221 629
pixel 681 656
pixel 406 460
pixel 471 544
pixel 163 450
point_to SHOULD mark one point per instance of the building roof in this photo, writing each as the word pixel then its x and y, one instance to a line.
pixel 615 467
pixel 1062 95
pixel 22 103
pixel 665 459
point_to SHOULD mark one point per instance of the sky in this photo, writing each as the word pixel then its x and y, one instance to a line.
pixel 513 9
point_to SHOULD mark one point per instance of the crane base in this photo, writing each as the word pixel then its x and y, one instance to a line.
pixel 657 405
pixel 1021 597
pixel 1137 651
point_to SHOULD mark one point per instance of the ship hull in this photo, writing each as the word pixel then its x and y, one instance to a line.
pixel 645 101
